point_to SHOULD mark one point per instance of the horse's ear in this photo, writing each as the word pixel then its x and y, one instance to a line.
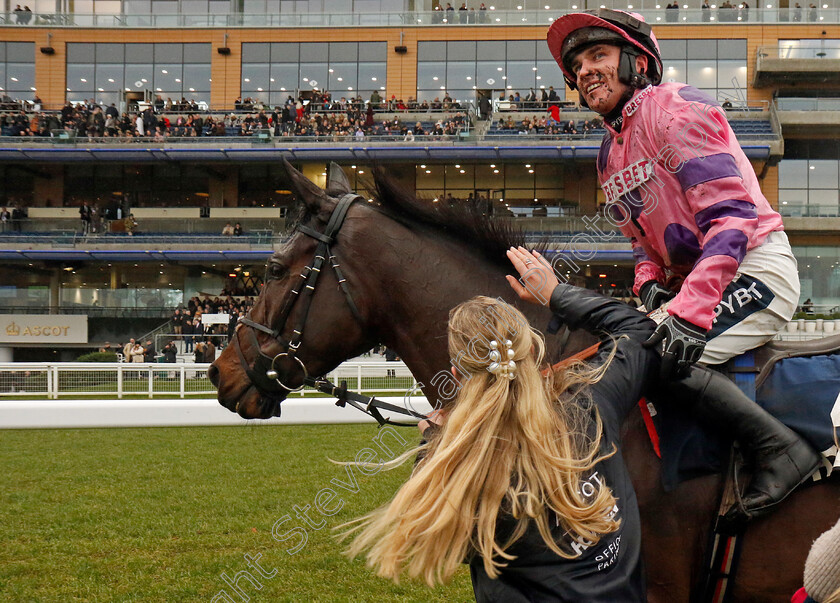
pixel 337 182
pixel 311 194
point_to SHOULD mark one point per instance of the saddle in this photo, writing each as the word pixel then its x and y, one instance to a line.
pixel 773 351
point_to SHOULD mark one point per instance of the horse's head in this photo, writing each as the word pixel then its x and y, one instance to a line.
pixel 290 334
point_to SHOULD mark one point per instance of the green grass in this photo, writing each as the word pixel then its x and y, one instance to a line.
pixel 158 514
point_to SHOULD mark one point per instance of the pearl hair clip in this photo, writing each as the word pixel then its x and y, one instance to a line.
pixel 502 367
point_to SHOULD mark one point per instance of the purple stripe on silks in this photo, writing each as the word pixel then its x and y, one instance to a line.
pixel 682 245
pixel 604 152
pixel 690 93
pixel 727 242
pixel 731 208
pixel 639 255
pixel 632 200
pixel 702 169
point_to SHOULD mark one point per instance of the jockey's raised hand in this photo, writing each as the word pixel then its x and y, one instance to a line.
pixel 536 279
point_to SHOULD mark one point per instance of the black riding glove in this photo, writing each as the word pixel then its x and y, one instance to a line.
pixel 683 345
pixel 654 295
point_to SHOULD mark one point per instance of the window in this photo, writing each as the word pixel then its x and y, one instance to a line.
pixel 809 187
pixel 273 72
pixel 462 67
pixel 17 70
pixel 106 71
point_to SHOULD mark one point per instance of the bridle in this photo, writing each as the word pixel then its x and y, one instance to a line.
pixel 264 374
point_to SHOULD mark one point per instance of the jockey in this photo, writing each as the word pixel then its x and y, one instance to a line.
pixel 705 239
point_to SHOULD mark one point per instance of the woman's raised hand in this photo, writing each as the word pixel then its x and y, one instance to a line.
pixel 536 280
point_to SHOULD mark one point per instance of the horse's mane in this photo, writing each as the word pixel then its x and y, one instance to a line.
pixel 491 237
pixel 465 223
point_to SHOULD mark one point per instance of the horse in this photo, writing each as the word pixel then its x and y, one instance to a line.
pixel 391 268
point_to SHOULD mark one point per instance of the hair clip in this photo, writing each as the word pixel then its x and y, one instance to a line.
pixel 499 366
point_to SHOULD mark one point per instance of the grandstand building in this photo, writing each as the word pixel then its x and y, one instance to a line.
pixel 459 105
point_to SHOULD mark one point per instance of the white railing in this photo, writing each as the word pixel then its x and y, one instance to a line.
pixel 55 380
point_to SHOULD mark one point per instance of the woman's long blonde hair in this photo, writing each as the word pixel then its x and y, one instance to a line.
pixel 518 446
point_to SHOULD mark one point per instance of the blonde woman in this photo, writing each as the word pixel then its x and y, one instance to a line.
pixel 523 479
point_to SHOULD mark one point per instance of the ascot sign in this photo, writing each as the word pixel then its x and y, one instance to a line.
pixel 43 328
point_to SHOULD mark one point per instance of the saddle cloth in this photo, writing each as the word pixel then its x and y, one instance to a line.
pixel 803 393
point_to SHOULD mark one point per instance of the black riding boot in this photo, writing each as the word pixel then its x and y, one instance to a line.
pixel 782 459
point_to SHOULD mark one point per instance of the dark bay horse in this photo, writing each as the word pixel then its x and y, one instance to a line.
pixel 406 264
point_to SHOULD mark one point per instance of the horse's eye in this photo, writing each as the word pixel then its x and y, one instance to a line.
pixel 276 271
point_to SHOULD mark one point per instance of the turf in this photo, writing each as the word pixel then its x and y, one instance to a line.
pixel 159 514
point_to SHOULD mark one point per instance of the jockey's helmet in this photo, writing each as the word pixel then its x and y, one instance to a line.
pixel 573 33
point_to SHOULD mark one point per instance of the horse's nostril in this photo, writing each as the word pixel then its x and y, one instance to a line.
pixel 213 375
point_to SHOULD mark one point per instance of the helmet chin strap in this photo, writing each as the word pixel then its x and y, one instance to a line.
pixel 634 80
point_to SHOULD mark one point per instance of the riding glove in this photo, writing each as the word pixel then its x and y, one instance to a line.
pixel 654 295
pixel 683 345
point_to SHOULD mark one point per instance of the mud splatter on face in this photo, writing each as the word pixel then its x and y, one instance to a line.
pixel 605 96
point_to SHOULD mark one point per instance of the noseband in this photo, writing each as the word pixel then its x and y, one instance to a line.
pixel 265 374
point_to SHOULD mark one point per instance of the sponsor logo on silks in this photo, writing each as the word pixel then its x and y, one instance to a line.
pixel 832 458
pixel 628 179
pixel 744 296
pixel 634 103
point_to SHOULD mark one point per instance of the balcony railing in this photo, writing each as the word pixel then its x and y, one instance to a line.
pixel 799 52
pixel 652 11
pixel 808 104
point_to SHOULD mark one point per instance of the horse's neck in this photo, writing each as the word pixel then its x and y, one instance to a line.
pixel 418 296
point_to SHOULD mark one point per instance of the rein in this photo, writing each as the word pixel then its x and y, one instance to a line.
pixel 264 374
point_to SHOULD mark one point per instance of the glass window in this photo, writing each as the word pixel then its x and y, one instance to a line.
pixel 732 49
pixel 732 74
pixel 313 75
pixel 20 52
pixel 138 7
pixel 701 49
pixel 169 53
pixel 194 7
pixel 80 77
pixel 285 52
pixel 431 51
pixel 256 53
pixel 521 74
pixel 343 51
pixel 197 53
pixel 137 77
pixel 491 51
pixel 673 49
pixel 822 174
pixel 81 53
pixel 490 74
pixel 793 173
pixel 460 51
pixel 2 52
pixel 521 50
pixel 109 77
pixel 311 52
pixel 110 53
pixel 372 75
pixel 168 78
pixel 701 74
pixel 343 77
pixel 139 53
pixel 20 76
pixel 196 77
pixel 373 51
pixel 283 76
pixel 431 75
pixel 255 75
pixel 460 75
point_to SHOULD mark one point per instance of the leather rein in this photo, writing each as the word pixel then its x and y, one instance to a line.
pixel 264 373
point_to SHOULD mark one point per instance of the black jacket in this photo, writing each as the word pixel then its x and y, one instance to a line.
pixel 610 570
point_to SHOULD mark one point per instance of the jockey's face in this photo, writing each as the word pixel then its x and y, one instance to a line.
pixel 596 70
